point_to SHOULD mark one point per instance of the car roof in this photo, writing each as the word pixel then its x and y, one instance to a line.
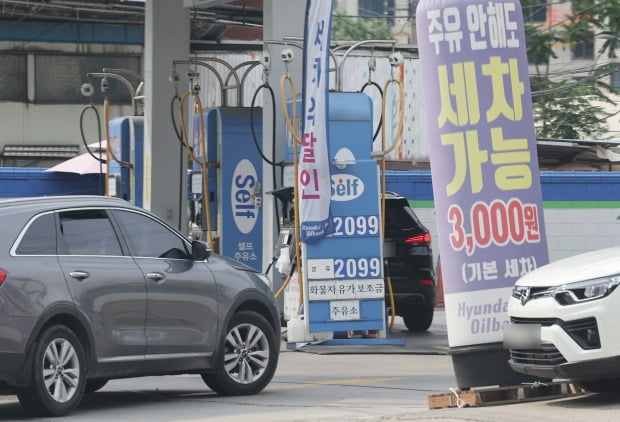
pixel 52 202
pixel 393 195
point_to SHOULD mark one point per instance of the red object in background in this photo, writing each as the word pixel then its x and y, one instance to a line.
pixel 439 283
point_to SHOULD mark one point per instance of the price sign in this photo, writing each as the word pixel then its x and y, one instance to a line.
pixel 356 226
pixel 346 289
pixel 344 271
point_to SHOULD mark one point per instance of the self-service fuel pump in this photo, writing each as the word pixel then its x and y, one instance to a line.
pixel 124 137
pixel 239 185
pixel 343 281
pixel 227 200
pixel 343 285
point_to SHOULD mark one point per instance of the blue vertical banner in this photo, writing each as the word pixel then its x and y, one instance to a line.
pixel 314 175
pixel 482 149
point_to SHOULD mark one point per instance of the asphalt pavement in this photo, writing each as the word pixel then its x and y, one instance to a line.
pixel 327 383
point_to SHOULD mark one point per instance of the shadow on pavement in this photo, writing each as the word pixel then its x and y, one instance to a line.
pixel 431 342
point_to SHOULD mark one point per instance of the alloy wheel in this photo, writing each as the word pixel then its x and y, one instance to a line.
pixel 61 370
pixel 246 353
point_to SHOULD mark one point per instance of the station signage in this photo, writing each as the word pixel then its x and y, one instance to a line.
pixel 482 146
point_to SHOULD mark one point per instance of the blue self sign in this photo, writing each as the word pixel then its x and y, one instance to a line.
pixel 241 211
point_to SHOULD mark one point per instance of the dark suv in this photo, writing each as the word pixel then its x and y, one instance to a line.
pixel 93 288
pixel 409 264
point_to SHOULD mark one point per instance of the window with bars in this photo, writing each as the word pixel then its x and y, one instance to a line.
pixel 58 77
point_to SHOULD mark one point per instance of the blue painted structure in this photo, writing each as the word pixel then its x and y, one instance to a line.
pixel 71 32
pixel 20 182
pixel 127 141
pixel 240 186
pixel 353 250
pixel 415 185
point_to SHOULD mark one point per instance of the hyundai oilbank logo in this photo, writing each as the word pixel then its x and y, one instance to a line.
pixel 242 196
pixel 346 187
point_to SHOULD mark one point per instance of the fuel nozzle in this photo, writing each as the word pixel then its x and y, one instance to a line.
pixel 104 85
pixel 396 59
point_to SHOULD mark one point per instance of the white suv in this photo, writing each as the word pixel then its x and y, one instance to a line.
pixel 564 320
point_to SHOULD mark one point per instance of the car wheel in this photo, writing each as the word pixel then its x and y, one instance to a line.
pixel 419 319
pixel 58 374
pixel 611 385
pixel 94 384
pixel 249 356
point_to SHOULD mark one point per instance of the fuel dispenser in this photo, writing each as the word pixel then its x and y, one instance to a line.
pixel 234 167
pixel 343 287
pixel 343 280
pixel 238 185
pixel 126 139
pixel 124 136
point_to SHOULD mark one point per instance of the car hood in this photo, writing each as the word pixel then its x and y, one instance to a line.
pixel 581 267
pixel 236 264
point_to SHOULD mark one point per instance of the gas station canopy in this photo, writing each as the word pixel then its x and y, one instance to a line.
pixel 211 20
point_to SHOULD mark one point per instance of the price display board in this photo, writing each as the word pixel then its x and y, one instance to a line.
pixel 343 274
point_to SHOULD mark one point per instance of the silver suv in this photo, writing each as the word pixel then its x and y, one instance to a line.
pixel 93 288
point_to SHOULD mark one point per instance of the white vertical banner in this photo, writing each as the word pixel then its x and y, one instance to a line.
pixel 314 177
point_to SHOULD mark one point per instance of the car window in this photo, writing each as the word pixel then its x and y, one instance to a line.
pixel 40 237
pixel 400 215
pixel 88 232
pixel 149 238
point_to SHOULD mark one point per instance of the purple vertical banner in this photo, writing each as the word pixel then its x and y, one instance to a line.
pixel 483 156
pixel 313 175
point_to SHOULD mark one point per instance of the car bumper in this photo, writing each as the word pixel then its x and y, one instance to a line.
pixel 583 371
pixel 565 354
pixel 410 292
pixel 12 367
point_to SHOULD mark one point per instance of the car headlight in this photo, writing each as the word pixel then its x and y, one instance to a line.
pixel 584 291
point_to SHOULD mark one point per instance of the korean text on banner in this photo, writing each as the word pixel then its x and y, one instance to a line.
pixel 482 148
pixel 314 177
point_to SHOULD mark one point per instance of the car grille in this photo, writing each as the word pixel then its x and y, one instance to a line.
pixel 583 331
pixel 543 322
pixel 547 355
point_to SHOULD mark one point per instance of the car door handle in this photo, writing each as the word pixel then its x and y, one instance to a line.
pixel 156 277
pixel 79 275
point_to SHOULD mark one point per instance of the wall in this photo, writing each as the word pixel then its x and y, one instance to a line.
pixel 18 182
pixel 55 121
pixel 48 124
pixel 581 210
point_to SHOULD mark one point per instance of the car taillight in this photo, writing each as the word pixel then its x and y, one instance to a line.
pixel 2 276
pixel 423 239
pixel 426 282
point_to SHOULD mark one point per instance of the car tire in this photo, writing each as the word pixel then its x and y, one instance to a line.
pixel 94 384
pixel 248 358
pixel 58 374
pixel 419 319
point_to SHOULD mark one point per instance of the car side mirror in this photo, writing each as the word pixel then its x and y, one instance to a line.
pixel 200 250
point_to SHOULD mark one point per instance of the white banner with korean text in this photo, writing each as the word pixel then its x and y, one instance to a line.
pixel 313 174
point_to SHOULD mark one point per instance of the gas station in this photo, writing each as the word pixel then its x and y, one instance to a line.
pixel 258 175
pixel 293 182
pixel 251 180
pixel 229 146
